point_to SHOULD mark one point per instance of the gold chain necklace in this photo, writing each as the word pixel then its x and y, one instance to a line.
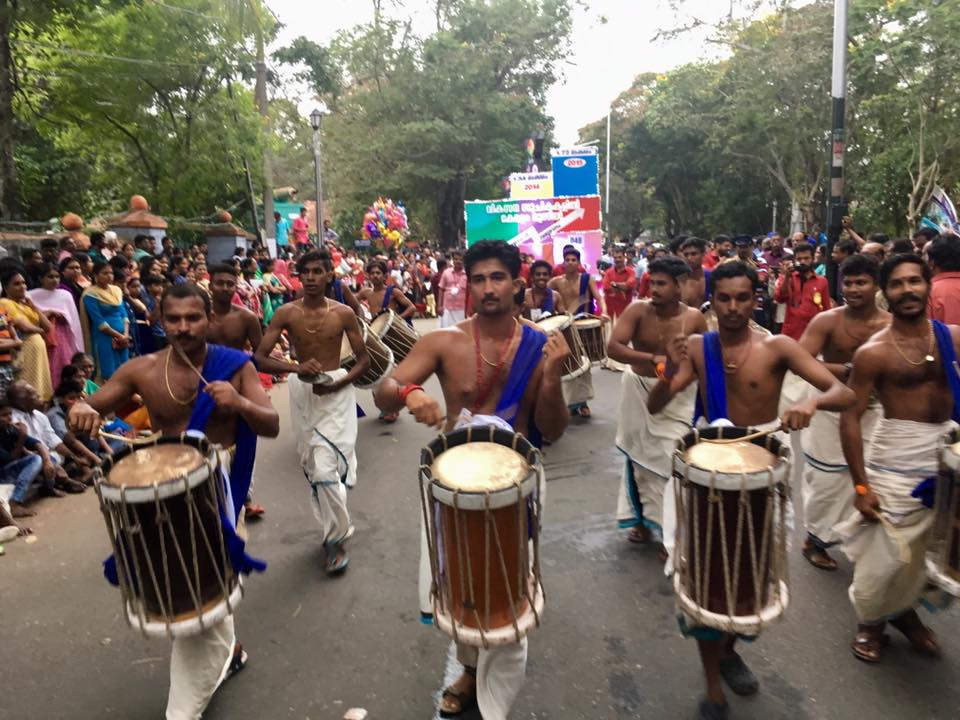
pixel 928 358
pixel 326 307
pixel 510 341
pixel 166 379
pixel 730 367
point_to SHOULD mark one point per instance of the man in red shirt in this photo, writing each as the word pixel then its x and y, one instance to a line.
pixel 943 255
pixel 301 230
pixel 805 293
pixel 619 284
pixel 722 249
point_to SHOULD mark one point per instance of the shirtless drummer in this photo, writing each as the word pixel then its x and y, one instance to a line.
pixel 911 365
pixel 240 410
pixel 322 397
pixel 381 297
pixel 233 326
pixel 836 335
pixel 647 441
pixel 539 300
pixel 521 387
pixel 578 292
pixel 747 394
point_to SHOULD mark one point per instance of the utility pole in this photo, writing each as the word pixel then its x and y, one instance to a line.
pixel 606 188
pixel 838 92
pixel 316 118
pixel 773 223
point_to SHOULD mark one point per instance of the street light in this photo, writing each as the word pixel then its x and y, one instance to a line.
pixel 315 118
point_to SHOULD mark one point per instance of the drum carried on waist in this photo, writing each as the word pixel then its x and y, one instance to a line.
pixel 590 331
pixel 394 332
pixel 731 499
pixel 943 558
pixel 161 503
pixel 381 357
pixel 578 363
pixel 480 490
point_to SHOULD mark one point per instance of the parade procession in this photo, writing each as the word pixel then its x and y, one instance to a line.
pixel 479 359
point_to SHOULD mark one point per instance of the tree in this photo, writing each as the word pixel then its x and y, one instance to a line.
pixel 147 120
pixel 434 120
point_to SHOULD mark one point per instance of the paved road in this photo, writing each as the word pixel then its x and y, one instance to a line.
pixel 609 647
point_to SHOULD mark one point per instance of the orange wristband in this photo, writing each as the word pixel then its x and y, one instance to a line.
pixel 406 390
pixel 861 489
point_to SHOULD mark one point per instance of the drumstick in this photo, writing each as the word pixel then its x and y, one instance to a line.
pixel 745 438
pixel 183 356
pixel 131 441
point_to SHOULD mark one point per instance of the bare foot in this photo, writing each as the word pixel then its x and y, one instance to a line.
pixel 17 510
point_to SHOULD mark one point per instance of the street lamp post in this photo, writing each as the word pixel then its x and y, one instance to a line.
pixel 838 207
pixel 315 118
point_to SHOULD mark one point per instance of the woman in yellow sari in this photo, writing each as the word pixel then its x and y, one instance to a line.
pixel 32 325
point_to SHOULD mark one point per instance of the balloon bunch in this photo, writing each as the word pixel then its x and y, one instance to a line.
pixel 385 221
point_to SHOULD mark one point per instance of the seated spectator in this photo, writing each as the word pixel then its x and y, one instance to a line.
pixel 26 409
pixel 84 367
pixel 67 394
pixel 24 463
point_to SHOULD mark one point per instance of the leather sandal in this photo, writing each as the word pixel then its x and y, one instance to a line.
pixel 866 645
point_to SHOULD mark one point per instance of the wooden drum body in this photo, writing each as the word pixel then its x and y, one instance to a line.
pixel 731 565
pixel 590 331
pixel 161 504
pixel 480 491
pixel 943 559
pixel 381 357
pixel 577 364
pixel 394 332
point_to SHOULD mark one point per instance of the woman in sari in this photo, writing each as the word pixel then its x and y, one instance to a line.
pixel 69 275
pixel 142 333
pixel 105 321
pixel 65 338
pixel 33 327
pixel 273 291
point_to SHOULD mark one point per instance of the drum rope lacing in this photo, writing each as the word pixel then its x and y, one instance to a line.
pixel 771 566
pixel 126 519
pixel 467 591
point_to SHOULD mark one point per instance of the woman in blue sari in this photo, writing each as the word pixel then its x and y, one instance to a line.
pixel 106 322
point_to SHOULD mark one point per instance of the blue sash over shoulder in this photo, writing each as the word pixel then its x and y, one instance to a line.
pixel 529 353
pixel 584 290
pixel 948 357
pixel 714 386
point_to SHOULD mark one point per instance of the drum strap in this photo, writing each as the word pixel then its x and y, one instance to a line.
pixel 387 297
pixel 585 300
pixel 338 291
pixel 528 356
pixel 715 384
pixel 949 359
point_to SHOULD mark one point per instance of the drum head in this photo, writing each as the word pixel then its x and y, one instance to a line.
pixel 555 322
pixel 585 323
pixel 382 322
pixel 737 457
pixel 155 464
pixel 480 467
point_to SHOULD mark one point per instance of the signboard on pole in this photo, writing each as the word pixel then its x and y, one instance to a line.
pixel 575 171
pixel 528 186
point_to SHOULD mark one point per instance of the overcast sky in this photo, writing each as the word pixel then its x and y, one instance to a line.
pixel 605 58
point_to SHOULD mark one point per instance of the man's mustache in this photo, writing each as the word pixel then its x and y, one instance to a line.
pixel 908 298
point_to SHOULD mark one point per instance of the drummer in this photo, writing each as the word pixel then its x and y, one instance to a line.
pixel 324 415
pixel 539 300
pixel 910 366
pixel 338 289
pixel 836 334
pixel 647 441
pixel 488 365
pixel 578 292
pixel 232 409
pixel 234 326
pixel 381 297
pixel 740 371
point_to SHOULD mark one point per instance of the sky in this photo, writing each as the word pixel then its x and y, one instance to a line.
pixel 605 57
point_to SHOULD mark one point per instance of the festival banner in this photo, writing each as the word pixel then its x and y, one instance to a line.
pixel 575 171
pixel 531 186
pixel 518 221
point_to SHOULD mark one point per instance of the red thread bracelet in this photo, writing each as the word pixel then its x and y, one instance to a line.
pixel 406 390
